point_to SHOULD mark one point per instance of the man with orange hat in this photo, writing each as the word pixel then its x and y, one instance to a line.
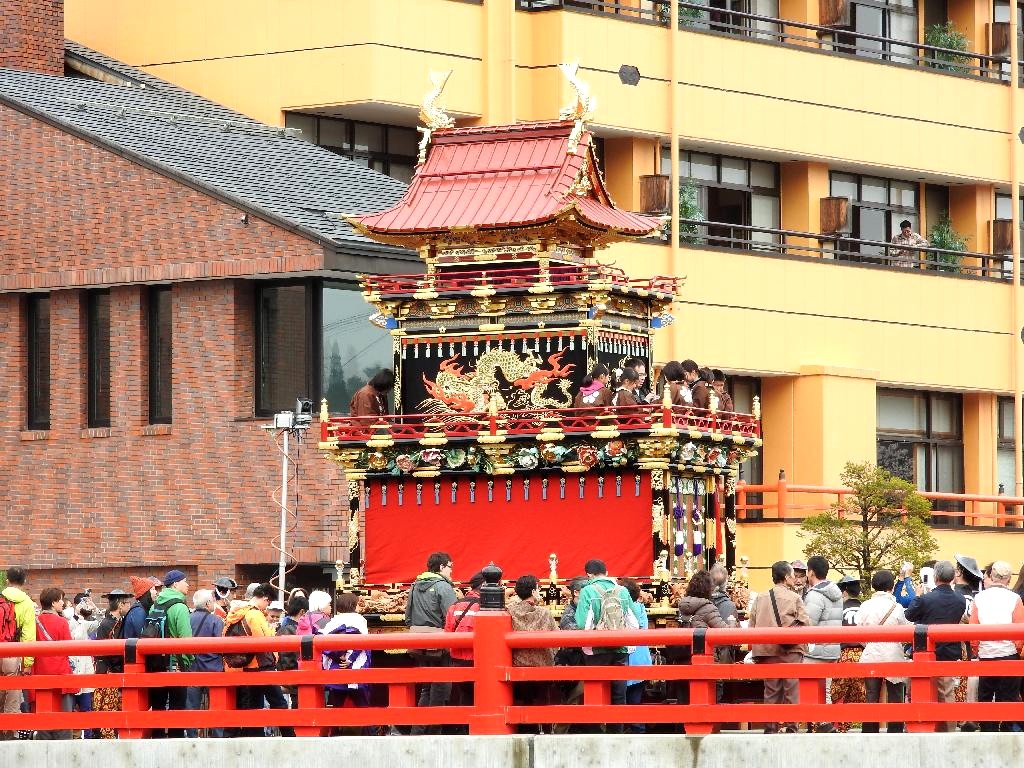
pixel 144 591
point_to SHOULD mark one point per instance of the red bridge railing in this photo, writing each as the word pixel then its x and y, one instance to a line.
pixel 494 710
pixel 528 423
pixel 783 501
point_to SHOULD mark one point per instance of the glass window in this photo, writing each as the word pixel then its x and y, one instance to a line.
pixel 160 335
pixel 37 327
pixel 734 171
pixel 903 194
pixel 919 438
pixel 305 123
pixel 899 411
pixel 763 175
pixel 844 185
pixel 874 225
pixel 283 347
pixel 368 138
pixel 764 212
pixel 1006 430
pixel 703 167
pixel 1004 207
pixel 403 141
pixel 353 348
pixel 874 190
pixel 401 171
pixel 334 133
pixel 869 21
pixel 98 351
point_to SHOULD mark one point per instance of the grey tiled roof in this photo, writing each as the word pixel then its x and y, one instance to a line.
pixel 261 167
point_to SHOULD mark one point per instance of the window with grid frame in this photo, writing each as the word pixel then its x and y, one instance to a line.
pixel 98 358
pixel 877 206
pixel 160 354
pixel 390 149
pixel 37 344
pixel 920 439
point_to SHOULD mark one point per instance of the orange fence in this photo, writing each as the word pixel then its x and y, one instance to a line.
pixel 492 675
pixel 788 502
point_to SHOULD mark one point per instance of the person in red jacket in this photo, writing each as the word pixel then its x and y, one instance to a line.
pixel 52 626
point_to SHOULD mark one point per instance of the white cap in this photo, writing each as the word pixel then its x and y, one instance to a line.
pixel 275 606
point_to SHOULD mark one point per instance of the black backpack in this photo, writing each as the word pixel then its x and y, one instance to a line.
pixel 156 626
pixel 238 660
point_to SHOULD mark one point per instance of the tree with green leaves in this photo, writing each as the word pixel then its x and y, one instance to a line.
pixel 880 525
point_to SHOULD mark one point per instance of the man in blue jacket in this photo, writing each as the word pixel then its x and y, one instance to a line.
pixel 205 623
pixel 941 606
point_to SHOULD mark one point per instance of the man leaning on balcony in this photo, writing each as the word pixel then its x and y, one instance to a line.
pixel 906 257
pixel 997 604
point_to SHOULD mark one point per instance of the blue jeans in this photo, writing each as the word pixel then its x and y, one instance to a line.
pixel 194 700
pixel 83 703
pixel 635 695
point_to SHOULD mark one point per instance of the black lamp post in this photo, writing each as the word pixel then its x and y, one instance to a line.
pixel 492 594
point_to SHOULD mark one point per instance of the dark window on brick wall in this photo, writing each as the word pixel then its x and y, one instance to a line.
pixel 160 335
pixel 283 359
pixel 37 328
pixel 98 343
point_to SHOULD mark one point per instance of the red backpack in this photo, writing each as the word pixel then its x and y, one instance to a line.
pixel 8 621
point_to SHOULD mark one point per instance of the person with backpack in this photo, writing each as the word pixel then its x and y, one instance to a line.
pixel 144 591
pixel 250 620
pixel 51 626
pixel 111 627
pixel 287 661
pixel 430 597
pixel 17 624
pixel 204 622
pixel 169 617
pixel 605 605
pixel 347 621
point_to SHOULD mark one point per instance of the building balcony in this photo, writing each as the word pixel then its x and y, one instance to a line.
pixel 843 29
pixel 843 248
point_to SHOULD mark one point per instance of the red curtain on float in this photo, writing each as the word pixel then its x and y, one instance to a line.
pixel 516 526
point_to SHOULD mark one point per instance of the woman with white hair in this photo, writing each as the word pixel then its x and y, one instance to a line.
pixel 318 615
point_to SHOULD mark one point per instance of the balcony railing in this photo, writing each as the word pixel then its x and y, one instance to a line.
pixel 832 39
pixel 843 248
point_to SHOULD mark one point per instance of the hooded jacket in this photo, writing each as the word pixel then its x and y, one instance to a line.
pixel 430 597
pixel 25 617
pixel 824 604
pixel 701 613
pixel 178 624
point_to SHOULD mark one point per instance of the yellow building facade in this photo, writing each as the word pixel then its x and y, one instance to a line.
pixel 780 110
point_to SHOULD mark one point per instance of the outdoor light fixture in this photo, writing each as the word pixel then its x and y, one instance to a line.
pixel 629 75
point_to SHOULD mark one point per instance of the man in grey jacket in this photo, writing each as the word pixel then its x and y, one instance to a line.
pixel 430 597
pixel 824 603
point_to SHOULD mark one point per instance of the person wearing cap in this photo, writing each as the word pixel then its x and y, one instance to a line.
pixel 144 592
pixel 799 577
pixel 111 627
pixel 848 690
pixel 224 589
pixel 204 623
pixel 997 604
pixel 941 605
pixel 966 582
pixel 906 257
pixel 274 613
pixel 84 622
pixel 171 600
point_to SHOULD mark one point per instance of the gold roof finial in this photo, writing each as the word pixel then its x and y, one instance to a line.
pixel 432 112
pixel 583 108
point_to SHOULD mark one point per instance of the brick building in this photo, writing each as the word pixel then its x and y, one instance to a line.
pixel 171 274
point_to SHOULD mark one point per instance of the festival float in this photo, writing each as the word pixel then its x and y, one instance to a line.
pixel 485 458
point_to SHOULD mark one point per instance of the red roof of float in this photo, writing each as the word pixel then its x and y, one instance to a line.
pixel 499 177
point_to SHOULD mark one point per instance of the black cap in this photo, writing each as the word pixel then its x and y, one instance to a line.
pixel 970 565
pixel 225 583
pixel 848 580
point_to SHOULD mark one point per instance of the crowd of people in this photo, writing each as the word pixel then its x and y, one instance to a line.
pixel 950 592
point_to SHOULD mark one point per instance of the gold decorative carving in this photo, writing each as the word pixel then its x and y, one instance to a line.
pixel 432 112
pixel 583 107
